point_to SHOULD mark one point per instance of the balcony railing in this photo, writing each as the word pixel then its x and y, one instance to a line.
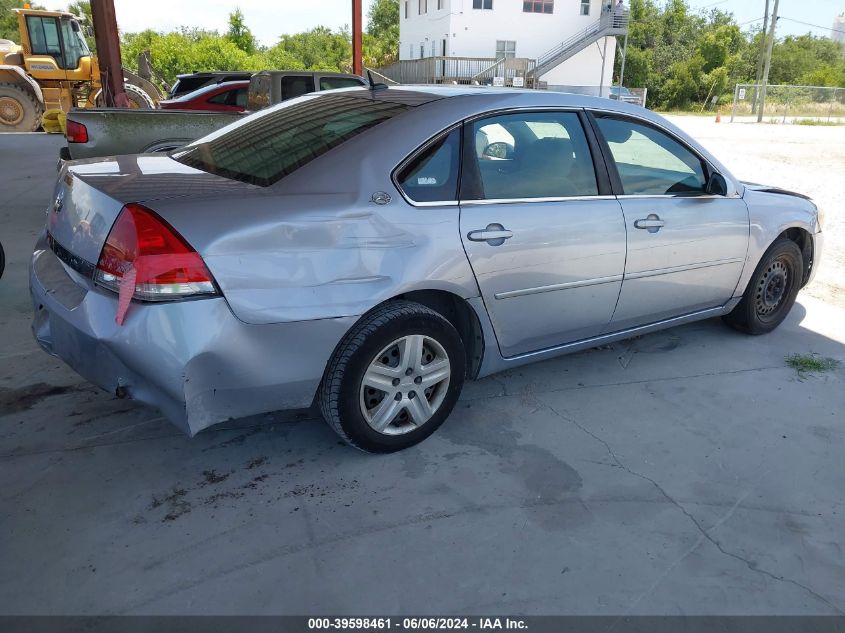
pixel 462 70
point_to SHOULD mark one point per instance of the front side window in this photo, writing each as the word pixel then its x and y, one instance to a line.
pixel 527 155
pixel 266 147
pixel 651 162
pixel 75 45
pixel 505 49
pixel 432 176
pixel 538 6
pixel 482 4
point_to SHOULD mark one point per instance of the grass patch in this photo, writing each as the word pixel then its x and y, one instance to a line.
pixel 809 364
pixel 824 122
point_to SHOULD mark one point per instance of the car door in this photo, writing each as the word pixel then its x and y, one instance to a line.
pixel 686 247
pixel 544 238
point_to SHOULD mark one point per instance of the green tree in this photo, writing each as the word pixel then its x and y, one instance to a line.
pixel 9 19
pixel 381 40
pixel 239 34
pixel 318 49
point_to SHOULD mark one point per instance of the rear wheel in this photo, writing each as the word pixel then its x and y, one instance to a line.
pixel 772 290
pixel 394 378
pixel 19 110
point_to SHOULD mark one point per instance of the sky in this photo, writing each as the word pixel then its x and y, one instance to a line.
pixel 268 19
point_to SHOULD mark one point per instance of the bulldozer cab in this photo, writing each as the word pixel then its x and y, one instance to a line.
pixel 54 46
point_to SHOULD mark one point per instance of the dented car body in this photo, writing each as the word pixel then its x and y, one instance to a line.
pixel 297 249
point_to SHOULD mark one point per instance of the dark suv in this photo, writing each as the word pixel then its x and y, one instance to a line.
pixel 188 83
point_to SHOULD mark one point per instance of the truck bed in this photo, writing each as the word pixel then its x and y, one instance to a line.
pixel 115 131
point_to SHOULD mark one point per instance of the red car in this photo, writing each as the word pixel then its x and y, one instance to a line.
pixel 229 96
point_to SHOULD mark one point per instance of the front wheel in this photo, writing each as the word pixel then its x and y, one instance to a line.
pixel 772 290
pixel 394 378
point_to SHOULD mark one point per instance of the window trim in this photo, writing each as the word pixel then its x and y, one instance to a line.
pixel 616 180
pixel 415 154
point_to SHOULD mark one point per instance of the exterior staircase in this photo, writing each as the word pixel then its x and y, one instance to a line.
pixel 610 23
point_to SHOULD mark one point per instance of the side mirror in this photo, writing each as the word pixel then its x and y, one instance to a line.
pixel 717 185
pixel 499 150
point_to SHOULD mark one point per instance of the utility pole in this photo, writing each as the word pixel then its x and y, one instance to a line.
pixel 759 75
pixel 768 64
pixel 108 53
pixel 357 64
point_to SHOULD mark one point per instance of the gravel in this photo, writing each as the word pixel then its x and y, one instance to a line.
pixel 806 159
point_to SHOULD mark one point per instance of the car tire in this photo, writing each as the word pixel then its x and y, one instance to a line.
pixel 372 389
pixel 771 291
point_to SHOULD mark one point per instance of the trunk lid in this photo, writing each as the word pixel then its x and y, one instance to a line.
pixel 90 195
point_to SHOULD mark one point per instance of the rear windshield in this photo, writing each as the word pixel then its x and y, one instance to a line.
pixel 269 145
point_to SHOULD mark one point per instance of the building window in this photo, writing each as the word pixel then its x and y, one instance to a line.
pixel 439 4
pixel 538 6
pixel 407 8
pixel 482 4
pixel 410 51
pixel 423 7
pixel 505 49
pixel 433 48
pixel 422 50
pixel 585 7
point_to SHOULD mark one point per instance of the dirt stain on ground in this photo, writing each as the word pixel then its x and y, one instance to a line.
pixel 17 400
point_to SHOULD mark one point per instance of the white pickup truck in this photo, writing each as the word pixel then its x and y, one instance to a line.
pixel 96 132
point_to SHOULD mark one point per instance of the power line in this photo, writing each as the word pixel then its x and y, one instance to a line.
pixel 824 28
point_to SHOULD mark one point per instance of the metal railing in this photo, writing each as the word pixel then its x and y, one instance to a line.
pixel 614 22
pixel 461 70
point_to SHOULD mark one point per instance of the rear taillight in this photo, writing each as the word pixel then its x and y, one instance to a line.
pixel 142 250
pixel 76 132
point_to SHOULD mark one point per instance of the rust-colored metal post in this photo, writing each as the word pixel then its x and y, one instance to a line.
pixel 357 64
pixel 108 53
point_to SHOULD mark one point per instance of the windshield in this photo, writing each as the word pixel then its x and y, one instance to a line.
pixel 267 146
pixel 75 45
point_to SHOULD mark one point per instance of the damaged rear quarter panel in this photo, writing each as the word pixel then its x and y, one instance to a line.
pixel 315 245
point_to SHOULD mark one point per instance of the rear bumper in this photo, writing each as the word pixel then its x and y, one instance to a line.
pixel 193 360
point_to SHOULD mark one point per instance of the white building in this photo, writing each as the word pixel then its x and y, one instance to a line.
pixel 838 31
pixel 513 28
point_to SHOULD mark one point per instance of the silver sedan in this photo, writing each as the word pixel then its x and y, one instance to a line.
pixel 369 250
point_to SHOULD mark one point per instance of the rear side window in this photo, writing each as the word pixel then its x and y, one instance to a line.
pixel 296 86
pixel 266 147
pixel 331 83
pixel 527 155
pixel 432 176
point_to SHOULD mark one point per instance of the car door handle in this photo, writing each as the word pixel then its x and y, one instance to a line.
pixel 652 223
pixel 494 234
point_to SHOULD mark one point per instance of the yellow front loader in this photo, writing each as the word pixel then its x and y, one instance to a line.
pixel 52 68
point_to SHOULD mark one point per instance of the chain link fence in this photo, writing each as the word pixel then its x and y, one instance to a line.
pixel 789 104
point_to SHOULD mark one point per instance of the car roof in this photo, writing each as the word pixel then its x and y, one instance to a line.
pixel 309 73
pixel 500 97
pixel 221 87
pixel 216 73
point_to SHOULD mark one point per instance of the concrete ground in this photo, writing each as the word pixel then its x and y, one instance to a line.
pixel 686 472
